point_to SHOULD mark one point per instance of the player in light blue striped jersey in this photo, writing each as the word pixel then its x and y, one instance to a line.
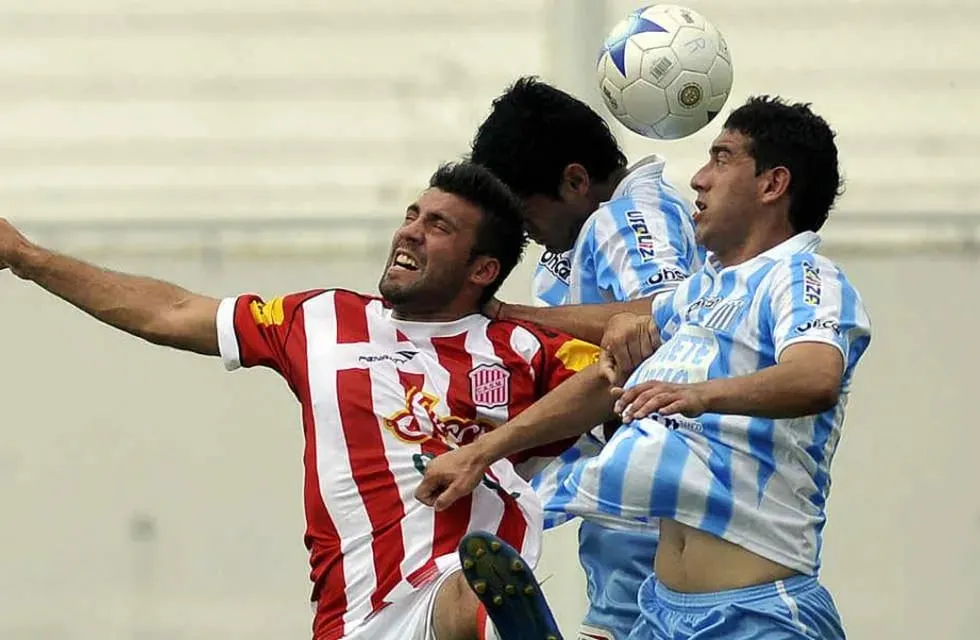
pixel 732 423
pixel 611 233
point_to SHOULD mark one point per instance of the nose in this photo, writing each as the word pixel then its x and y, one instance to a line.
pixel 412 230
pixel 699 179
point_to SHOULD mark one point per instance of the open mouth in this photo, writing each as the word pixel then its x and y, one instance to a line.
pixel 403 260
pixel 700 207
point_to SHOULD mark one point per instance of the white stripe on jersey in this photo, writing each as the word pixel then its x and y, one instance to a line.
pixel 757 482
pixel 346 509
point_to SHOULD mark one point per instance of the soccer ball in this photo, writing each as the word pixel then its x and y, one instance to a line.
pixel 665 71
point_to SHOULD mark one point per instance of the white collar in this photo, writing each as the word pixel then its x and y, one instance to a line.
pixel 804 242
pixel 649 168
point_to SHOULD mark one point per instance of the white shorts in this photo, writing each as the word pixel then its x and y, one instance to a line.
pixel 408 619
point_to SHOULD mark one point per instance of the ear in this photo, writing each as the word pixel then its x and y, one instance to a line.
pixel 575 180
pixel 774 184
pixel 484 271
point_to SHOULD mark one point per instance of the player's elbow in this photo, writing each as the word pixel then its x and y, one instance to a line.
pixel 188 324
pixel 824 392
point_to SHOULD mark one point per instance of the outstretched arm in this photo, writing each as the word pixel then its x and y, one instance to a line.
pixel 157 311
pixel 574 407
pixel 584 321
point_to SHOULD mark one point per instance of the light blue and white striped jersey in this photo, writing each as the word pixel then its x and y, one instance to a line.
pixel 638 244
pixel 757 482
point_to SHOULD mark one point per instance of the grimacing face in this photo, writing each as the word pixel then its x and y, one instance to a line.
pixel 430 251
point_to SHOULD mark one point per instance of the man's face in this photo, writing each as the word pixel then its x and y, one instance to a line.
pixel 429 263
pixel 556 221
pixel 728 192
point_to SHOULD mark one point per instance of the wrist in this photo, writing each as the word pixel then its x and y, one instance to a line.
pixel 487 449
pixel 710 393
pixel 28 260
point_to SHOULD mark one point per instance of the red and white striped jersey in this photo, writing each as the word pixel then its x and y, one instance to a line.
pixel 380 397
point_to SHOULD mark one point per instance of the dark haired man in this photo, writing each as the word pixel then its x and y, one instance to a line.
pixel 385 385
pixel 732 423
pixel 612 234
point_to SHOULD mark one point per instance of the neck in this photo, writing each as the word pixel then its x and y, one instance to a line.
pixel 754 245
pixel 603 191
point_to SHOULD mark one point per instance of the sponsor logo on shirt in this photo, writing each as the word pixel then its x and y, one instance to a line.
pixel 641 232
pixel 419 422
pixel 825 323
pixel 812 285
pixel 557 264
pixel 667 274
pixel 399 357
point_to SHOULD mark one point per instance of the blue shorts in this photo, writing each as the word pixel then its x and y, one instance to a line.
pixel 616 564
pixel 790 609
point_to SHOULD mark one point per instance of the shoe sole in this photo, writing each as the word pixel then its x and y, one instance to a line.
pixel 506 586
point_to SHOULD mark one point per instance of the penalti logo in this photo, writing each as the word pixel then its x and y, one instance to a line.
pixel 419 422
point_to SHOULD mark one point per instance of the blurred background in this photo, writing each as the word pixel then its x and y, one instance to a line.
pixel 271 145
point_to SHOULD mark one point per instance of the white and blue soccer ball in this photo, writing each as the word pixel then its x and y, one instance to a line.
pixel 665 71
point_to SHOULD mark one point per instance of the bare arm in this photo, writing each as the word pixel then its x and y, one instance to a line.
pixel 572 408
pixel 157 311
pixel 583 321
pixel 806 381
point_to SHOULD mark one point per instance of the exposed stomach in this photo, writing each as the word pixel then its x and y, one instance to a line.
pixel 693 561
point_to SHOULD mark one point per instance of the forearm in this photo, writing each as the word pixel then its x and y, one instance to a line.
pixel 583 321
pixel 788 390
pixel 571 409
pixel 157 311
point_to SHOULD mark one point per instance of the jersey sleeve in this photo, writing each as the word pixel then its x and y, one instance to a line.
pixel 561 357
pixel 256 333
pixel 642 252
pixel 812 301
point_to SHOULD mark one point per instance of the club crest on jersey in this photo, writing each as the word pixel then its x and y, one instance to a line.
pixel 644 239
pixel 490 386
pixel 812 285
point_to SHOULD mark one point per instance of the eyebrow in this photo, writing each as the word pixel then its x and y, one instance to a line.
pixel 720 148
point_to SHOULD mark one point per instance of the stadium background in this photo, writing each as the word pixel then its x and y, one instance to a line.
pixel 269 145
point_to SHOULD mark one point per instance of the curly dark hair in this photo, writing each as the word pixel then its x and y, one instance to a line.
pixel 791 135
pixel 535 130
pixel 501 232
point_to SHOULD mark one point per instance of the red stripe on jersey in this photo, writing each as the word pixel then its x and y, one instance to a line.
pixel 369 465
pixel 513 525
pixel 352 325
pixel 322 539
pixel 451 524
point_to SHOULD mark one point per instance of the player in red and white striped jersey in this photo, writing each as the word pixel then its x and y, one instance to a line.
pixel 385 384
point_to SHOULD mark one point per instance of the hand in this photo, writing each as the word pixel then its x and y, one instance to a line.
pixel 13 247
pixel 451 476
pixel 629 339
pixel 665 398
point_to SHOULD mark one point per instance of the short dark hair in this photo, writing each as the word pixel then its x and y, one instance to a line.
pixel 501 232
pixel 534 131
pixel 788 135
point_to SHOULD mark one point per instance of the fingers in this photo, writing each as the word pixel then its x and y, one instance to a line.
pixel 428 490
pixel 608 369
pixel 650 403
pixel 449 496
